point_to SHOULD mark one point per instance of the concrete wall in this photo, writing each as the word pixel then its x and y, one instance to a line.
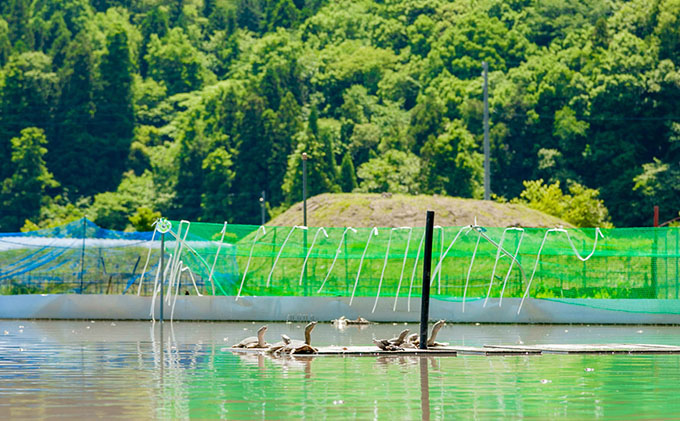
pixel 131 307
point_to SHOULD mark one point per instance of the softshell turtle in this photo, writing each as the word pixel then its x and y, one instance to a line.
pixel 300 347
pixel 358 321
pixel 386 345
pixel 393 344
pixel 413 341
pixel 254 341
pixel 433 335
pixel 399 339
pixel 285 340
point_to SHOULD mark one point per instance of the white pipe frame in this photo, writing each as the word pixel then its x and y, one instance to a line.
pixel 403 265
pixel 465 229
pixel 413 273
pixel 467 278
pixel 179 247
pixel 512 263
pixel 177 283
pixel 387 252
pixel 195 253
pixel 269 278
pixel 245 272
pixel 441 251
pixel 337 252
pixel 156 286
pixel 193 280
pixel 538 256
pixel 146 264
pixel 361 262
pixel 219 247
pixel 304 264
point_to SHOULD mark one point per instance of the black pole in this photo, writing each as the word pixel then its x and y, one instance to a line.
pixel 82 257
pixel 304 212
pixel 304 189
pixel 427 266
pixel 162 275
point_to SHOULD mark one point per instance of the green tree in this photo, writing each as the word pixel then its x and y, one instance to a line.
pixel 218 175
pixel 155 22
pixel 668 29
pixel 56 39
pixel 252 162
pixel 581 206
pixel 348 177
pixel 113 209
pixel 73 151
pixel 143 218
pixel 5 43
pixel 284 15
pixel 76 13
pixel 658 185
pixel 426 121
pixel 28 89
pixel 249 15
pixel 281 127
pixel 114 109
pixel 175 61
pixel 318 180
pixel 452 164
pixel 601 34
pixel 18 15
pixel 23 193
pixel 394 171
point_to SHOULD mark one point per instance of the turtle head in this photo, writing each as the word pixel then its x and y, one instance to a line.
pixel 260 336
pixel 308 332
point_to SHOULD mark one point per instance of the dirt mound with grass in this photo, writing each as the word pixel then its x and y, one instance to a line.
pixel 387 210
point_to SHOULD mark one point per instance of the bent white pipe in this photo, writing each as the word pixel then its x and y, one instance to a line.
pixel 245 272
pixel 304 264
pixel 337 252
pixel 361 262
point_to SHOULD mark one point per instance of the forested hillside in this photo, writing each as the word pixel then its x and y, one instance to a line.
pixel 120 109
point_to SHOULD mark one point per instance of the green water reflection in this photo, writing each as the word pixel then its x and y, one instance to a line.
pixel 125 370
pixel 548 386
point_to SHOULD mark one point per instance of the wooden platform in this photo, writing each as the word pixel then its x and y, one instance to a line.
pixel 596 349
pixel 368 351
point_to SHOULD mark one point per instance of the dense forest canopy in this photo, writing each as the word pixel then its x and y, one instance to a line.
pixel 121 109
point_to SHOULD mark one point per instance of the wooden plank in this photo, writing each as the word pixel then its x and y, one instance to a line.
pixel 496 350
pixel 358 351
pixel 373 350
pixel 368 351
pixel 594 348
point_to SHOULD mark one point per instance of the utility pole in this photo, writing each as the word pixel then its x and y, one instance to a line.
pixel 82 254
pixel 487 183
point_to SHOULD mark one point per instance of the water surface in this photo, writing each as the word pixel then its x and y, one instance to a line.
pixel 107 369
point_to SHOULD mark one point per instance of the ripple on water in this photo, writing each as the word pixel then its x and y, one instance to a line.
pixel 125 371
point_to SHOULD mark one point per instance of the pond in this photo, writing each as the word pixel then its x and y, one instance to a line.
pixel 130 370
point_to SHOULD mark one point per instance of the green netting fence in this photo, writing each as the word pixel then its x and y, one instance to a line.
pixel 243 260
pixel 555 263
